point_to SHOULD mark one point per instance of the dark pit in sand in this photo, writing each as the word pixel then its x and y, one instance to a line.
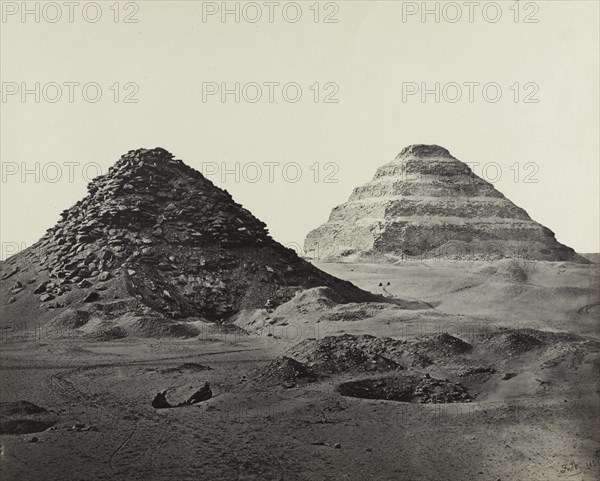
pixel 408 388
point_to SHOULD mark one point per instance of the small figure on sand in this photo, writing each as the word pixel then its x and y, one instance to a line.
pixel 270 306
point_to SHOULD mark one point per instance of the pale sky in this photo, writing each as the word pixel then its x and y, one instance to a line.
pixel 365 60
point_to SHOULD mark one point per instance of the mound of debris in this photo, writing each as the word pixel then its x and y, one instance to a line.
pixel 406 388
pixel 441 344
pixel 287 372
pixel 23 417
pixel 426 203
pixel 157 231
pixel 471 371
pixel 348 353
pixel 514 342
pixel 428 349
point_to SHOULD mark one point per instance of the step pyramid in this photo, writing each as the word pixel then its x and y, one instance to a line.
pixel 426 204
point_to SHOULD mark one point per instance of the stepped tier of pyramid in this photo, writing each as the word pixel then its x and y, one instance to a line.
pixel 156 232
pixel 426 203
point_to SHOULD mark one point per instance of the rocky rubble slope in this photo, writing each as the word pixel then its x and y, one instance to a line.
pixel 154 235
pixel 426 203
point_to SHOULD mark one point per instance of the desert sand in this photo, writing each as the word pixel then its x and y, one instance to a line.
pixel 521 341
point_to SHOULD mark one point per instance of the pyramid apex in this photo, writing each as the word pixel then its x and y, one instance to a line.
pixel 423 150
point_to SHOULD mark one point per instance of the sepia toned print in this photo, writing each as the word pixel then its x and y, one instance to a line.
pixel 299 241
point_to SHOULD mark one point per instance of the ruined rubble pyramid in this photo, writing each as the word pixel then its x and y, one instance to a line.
pixel 155 231
pixel 426 203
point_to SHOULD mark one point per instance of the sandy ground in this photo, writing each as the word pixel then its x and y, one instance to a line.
pixel 540 425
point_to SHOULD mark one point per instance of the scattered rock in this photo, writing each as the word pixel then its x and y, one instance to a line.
pixel 10 272
pixel 203 394
pixel 91 297
pixel 40 288
pixel 104 276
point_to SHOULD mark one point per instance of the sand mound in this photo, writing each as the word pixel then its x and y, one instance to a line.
pixel 328 305
pixel 19 408
pixel 155 326
pixel 23 417
pixel 518 270
pixel 107 332
pixel 321 304
pixel 520 341
pixel 115 320
pixel 406 388
pixel 310 301
pixel 70 319
pixel 357 312
pixel 287 372
pixel 100 326
pixel 442 344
